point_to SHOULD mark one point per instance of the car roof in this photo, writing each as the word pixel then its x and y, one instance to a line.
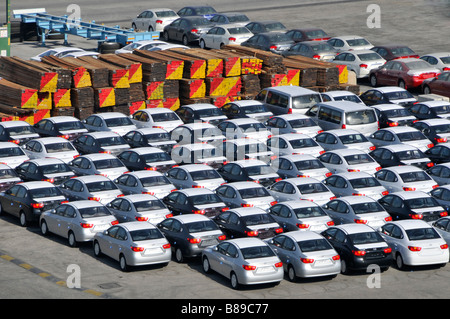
pixel 342 131
pixel 144 173
pixel 301 180
pixel 293 136
pixel 247 102
pixel 62 118
pixel 388 89
pixel 8 144
pixel 37 184
pixel 243 141
pixel 49 140
pixel 249 163
pixel 99 134
pixel 356 199
pixel 198 125
pixel 348 37
pixel 243 120
pixel 299 157
pixel 345 105
pixel 84 203
pixel 91 178
pixel 136 225
pixel 399 147
pixel 97 156
pixel 195 167
pixel 407 224
pixel 189 218
pixel 356 52
pixel 200 106
pixel 387 106
pixel 400 129
pixel 355 228
pixel 45 161
pixel 195 191
pixel 146 150
pixel 109 115
pixel 149 130
pixel 14 123
pixel 437 54
pixel 339 93
pixel 247 242
pixel 410 194
pixel 404 168
pixel 347 151
pixel 300 203
pixel 354 175
pixel 246 211
pixel 294 90
pixel 435 121
pixel 154 110
pixel 139 197
pixel 299 235
pixel 292 116
pixel 434 103
pixel 244 185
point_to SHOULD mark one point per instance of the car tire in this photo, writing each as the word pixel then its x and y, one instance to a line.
pixel 109 47
pixel 97 250
pixel 123 263
pixel 71 239
pixel 373 80
pixel 44 228
pixel 402 84
pixel 399 262
pixel 1 210
pixel 185 40
pixel 292 276
pixel 344 268
pixel 234 281
pixel 165 36
pixel 23 219
pixel 202 44
pixel 134 27
pixel 426 90
pixel 206 266
pixel 150 29
pixel 179 255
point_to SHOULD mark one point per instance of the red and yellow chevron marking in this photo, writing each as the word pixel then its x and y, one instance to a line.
pixel 29 99
pixel 135 106
pixel 174 70
pixel 81 78
pixel 38 115
pixel 343 73
pixel 293 77
pixel 220 101
pixel 278 80
pixel 171 103
pixel 154 103
pixel 61 98
pixel 135 73
pixel 251 65
pixel 232 66
pixel 49 82
pixel 214 68
pixel 154 90
pixel 119 79
pixel 44 101
pixel 106 97
pixel 197 88
pixel 230 86
pixel 198 69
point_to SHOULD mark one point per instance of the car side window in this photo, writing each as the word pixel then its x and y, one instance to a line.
pixel 397 232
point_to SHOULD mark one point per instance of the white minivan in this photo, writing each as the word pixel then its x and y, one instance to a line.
pixel 345 114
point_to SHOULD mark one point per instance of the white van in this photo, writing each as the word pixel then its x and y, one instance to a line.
pixel 288 99
pixel 345 114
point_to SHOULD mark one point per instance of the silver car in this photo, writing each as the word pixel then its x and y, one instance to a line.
pixel 292 123
pixel 133 244
pixel 154 19
pixel 300 215
pixel 139 207
pixel 401 135
pixel 350 43
pixel 300 166
pixel 78 221
pixel 195 175
pixel 294 143
pixel 349 160
pixel 98 164
pixel 442 195
pixel 145 182
pixel 158 117
pixel 245 194
pixel 198 153
pixel 361 62
pixel 440 60
pixel 301 188
pixel 245 261
pixel 355 184
pixel 8 177
pixel 440 173
pixel 343 138
pixel 405 178
pixel 442 226
pixel 357 209
pixel 48 147
pixel 244 128
pixel 341 95
pixel 109 121
pixel 306 255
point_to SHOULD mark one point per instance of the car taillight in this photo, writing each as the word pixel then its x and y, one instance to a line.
pixel 441 139
pixel 357 194
pixel 137 249
pixel 353 170
pixel 169 215
pixel 15 141
pixel 159 21
pixel 149 193
pixel 330 223
pixel 197 186
pixel 166 246
pixel 147 168
pixel 307 260
pixel 37 205
pixel 194 31
pixel 302 226
pixel 332 197
pixel 343 126
pixel 94 198
pixel 105 152
pixel 416 216
pixel 64 136
pixel 249 267
pixel 387 250
pixel 409 189
pixel 114 222
pixel 279 264
pixel 336 257
pixel 430 164
pixel 317 57
pixel 247 205
pixel 363 66
pixel 201 212
pixel 141 219
pixel 273 203
pixel 443 214
pixel 328 174
pixel 393 124
pixel 273 47
pixel 50 180
pixel 231 39
pixel 445 246
pixel 414 248
pixel 279 230
pixel 430 145
pixel 378 168
pixel 252 233
pixel 222 237
pixel 360 221
pixel 194 240
pixel 388 219
pixel 86 225
pixel 372 148
pixel 359 253
pixel 384 193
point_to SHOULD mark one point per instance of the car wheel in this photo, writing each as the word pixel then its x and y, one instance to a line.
pixel 23 219
pixel 123 263
pixel 399 262
pixel 426 90
pixel 344 268
pixel 179 255
pixel 71 239
pixel 165 36
pixel 373 80
pixel 291 274
pixel 134 26
pixel 97 250
pixel 1 210
pixel 44 228
pixel 206 265
pixel 185 40
pixel 150 29
pixel 402 84
pixel 202 44
pixel 234 281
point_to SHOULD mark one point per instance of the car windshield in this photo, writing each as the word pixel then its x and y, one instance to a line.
pixel 360 117
pixel 146 205
pixel 307 212
pixel 411 154
pixel 205 199
pixel 204 153
pixel 353 138
pixel 257 219
pixel 154 181
pixel 20 130
pixel 101 186
pixel 303 142
pixel 165 14
pixel 274 26
pixel 411 136
pixel 322 47
pixel 364 182
pixel 256 108
pixel 213 111
pixel 444 128
pixel 55 168
pixel 314 245
pixel 239 30
pixel 208 132
pixel 365 208
pixel 111 141
pixel 259 170
pixel 145 234
pixel 312 188
pixel 164 117
pixel 257 252
pixel 118 121
pixel 302 123
pixel 90 212
pixel 59 147
pixel 358 159
pixel 396 113
pixel 11 151
pixel 417 65
pixel 158 137
pixel 201 21
pixel 365 238
pixel 314 34
pixel 422 233
pixel 255 148
pixel 156 157
pixel 445 59
pixel 108 163
pixel 424 202
pixel 309 164
pixel 201 226
pixel 402 51
pixel 253 192
pixel 253 127
pixel 399 95
pixel 351 98
pixel 45 192
pixel 203 175
pixel 442 109
pixel 357 42
pixel 7 173
pixel 67 126
pixel 238 18
pixel 364 57
pixel 415 177
pixel 305 101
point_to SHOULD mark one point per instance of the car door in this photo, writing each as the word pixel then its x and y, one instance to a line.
pixel 106 245
pixel 383 73
pixel 210 38
pixel 118 243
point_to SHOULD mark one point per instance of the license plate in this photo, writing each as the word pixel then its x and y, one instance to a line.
pixel 263 270
pixel 152 251
pixel 101 227
pixel 323 262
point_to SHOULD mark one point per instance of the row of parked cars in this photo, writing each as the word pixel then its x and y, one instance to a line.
pixel 393 64
pixel 293 181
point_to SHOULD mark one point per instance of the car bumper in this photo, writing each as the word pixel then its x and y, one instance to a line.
pixel 441 256
pixel 256 277
pixel 316 270
pixel 149 258
pixel 357 263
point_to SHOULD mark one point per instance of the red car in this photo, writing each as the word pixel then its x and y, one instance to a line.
pixel 406 73
pixel 394 52
pixel 438 85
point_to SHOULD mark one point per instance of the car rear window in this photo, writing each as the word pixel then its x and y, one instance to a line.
pixel 253 192
pixel 59 147
pixel 145 234
pixel 146 205
pixel 45 192
pixel 422 234
pixel 357 42
pixel 364 57
pixel 360 117
pixel 257 252
pixel 308 212
pixel 257 219
pixel 206 174
pixel 365 182
pixel 365 208
pixel 201 226
pixel 314 245
pixel 358 159
pixel 312 188
pixel 305 101
pixel 90 212
pixel 415 177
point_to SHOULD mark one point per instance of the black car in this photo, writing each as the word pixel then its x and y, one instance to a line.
pixel 148 158
pixel 201 112
pixel 100 142
pixel 248 222
pixel 308 34
pixel 8 178
pixel 155 137
pixel 257 27
pixel 230 18
pixel 318 50
pixel 52 170
pixel 400 154
pixel 246 109
pixel 201 10
pixel 189 234
pixel 68 127
pixel 275 42
pixel 18 132
pixel 394 51
pixel 195 201
pixel 439 153
pixel 186 29
pixel 430 110
pixel 390 115
pixel 412 205
pixel 436 130
pixel 359 246
pixel 29 199
pixel 249 170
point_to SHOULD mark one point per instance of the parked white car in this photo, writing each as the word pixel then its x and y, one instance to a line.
pixel 154 19
pixel 405 178
pixel 221 35
pixel 361 62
